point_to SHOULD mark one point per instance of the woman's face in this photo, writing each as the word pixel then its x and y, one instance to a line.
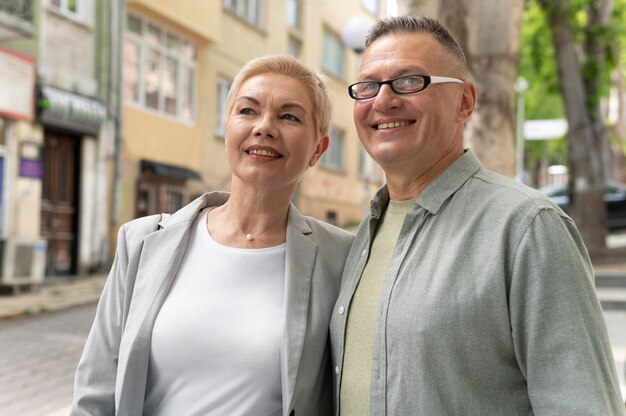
pixel 271 136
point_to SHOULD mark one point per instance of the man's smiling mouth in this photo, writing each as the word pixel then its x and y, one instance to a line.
pixel 393 124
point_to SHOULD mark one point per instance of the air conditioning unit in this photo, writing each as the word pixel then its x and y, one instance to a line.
pixel 22 262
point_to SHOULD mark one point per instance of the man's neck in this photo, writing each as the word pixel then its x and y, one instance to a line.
pixel 404 184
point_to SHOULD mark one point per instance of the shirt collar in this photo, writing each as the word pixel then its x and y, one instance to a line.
pixel 440 189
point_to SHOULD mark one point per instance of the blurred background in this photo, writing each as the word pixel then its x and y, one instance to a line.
pixel 110 110
pixel 113 109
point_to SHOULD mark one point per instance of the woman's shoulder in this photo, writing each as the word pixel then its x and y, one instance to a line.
pixel 324 229
pixel 140 227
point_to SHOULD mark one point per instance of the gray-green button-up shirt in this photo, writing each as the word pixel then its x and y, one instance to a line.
pixel 488 306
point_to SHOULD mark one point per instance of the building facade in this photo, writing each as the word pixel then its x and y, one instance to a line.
pixel 55 140
pixel 179 60
pixel 110 110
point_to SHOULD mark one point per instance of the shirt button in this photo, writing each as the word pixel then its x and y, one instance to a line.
pixel 364 252
pixel 341 310
pixel 337 370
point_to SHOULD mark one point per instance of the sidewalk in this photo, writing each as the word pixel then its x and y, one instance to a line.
pixel 54 295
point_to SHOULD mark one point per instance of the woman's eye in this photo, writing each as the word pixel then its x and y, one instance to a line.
pixel 246 111
pixel 290 117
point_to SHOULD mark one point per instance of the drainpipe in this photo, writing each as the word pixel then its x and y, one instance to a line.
pixel 118 13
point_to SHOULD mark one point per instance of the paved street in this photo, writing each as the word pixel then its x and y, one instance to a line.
pixel 38 357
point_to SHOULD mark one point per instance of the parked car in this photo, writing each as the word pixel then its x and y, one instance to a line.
pixel 614 197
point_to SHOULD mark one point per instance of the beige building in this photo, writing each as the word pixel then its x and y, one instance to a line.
pixel 55 141
pixel 180 57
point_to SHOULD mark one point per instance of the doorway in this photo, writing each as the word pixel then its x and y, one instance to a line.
pixel 59 206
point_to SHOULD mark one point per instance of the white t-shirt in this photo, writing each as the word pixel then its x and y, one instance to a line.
pixel 216 340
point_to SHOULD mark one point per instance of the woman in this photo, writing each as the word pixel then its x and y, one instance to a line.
pixel 223 308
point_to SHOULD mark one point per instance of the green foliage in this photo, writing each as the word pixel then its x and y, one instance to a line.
pixel 538 65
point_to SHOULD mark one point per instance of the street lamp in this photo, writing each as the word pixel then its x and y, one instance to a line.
pixel 521 85
pixel 354 33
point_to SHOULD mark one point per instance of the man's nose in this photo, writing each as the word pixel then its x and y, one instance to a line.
pixel 386 98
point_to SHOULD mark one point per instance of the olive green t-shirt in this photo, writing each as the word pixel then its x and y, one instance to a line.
pixel 357 369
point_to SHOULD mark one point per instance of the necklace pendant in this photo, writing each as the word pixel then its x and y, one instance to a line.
pixel 248 237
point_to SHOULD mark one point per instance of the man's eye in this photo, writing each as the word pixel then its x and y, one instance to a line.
pixel 370 86
pixel 408 82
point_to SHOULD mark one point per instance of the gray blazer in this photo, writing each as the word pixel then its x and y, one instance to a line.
pixel 111 376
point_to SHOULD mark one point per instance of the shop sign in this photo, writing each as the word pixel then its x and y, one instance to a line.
pixel 17 83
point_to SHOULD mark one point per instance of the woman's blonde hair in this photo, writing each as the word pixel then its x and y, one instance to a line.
pixel 292 67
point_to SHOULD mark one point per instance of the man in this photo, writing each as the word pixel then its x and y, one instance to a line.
pixel 465 293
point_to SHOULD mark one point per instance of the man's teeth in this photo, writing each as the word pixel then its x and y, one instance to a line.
pixel 393 124
pixel 263 153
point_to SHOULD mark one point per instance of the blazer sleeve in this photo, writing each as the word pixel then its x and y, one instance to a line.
pixel 94 385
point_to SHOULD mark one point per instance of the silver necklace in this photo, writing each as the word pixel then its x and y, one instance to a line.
pixel 247 236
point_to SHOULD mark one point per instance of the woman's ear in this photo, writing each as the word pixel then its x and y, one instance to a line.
pixel 321 147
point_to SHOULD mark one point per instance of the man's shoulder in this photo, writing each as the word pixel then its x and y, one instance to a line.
pixel 500 190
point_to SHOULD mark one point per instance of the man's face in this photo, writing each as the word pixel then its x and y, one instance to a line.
pixel 416 129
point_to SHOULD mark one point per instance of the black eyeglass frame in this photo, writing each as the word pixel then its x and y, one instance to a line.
pixel 428 80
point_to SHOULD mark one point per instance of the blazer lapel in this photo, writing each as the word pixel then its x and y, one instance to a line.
pixel 161 256
pixel 300 259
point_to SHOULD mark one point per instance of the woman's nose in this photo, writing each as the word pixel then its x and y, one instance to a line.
pixel 265 127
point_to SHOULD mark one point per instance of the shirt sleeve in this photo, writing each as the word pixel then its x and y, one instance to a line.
pixel 94 385
pixel 559 333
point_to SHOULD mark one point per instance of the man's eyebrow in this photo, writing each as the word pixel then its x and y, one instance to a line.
pixel 407 70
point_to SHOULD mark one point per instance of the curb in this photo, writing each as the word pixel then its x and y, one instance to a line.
pixel 52 297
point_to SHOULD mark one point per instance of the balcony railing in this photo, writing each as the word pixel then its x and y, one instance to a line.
pixel 16 18
pixel 21 9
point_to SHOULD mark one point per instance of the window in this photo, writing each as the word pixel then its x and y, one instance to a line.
pixel 333 157
pixel 75 9
pixel 159 69
pixel 294 12
pixel 248 10
pixel 332 54
pixel 294 21
pixel 223 86
pixel 294 46
pixel 372 6
pixel 159 194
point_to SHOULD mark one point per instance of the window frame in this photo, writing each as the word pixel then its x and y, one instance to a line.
pixel 337 49
pixel 83 13
pixel 186 69
pixel 223 87
pixel 254 14
pixel 333 159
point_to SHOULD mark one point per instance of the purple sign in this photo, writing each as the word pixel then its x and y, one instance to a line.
pixel 31 168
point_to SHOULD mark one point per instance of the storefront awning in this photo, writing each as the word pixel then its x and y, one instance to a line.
pixel 168 170
pixel 64 109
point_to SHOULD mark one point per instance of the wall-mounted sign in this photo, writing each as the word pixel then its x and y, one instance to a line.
pixel 31 160
pixel 70 111
pixel 17 83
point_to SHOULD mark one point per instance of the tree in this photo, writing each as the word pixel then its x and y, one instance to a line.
pixel 580 81
pixel 489 33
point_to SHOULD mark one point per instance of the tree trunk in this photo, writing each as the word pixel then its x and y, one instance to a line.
pixel 585 137
pixel 492 51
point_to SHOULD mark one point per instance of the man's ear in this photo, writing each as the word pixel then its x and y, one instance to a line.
pixel 321 147
pixel 468 102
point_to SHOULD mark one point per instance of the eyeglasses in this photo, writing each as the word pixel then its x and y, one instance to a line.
pixel 408 84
